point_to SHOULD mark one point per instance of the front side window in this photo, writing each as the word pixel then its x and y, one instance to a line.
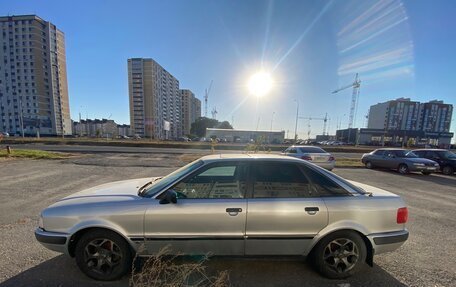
pixel 158 185
pixel 219 181
pixel 280 180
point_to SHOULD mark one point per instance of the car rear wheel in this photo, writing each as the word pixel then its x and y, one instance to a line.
pixel 403 169
pixel 448 170
pixel 340 254
pixel 103 255
pixel 369 165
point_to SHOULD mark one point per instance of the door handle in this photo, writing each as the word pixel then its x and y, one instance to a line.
pixel 233 211
pixel 312 210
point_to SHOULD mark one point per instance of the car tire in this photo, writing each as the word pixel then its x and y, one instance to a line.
pixel 448 170
pixel 369 165
pixel 426 172
pixel 103 255
pixel 403 169
pixel 340 254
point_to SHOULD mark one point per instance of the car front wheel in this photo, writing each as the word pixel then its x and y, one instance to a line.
pixel 403 169
pixel 340 254
pixel 103 255
pixel 426 172
pixel 448 170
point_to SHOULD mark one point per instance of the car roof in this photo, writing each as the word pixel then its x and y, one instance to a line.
pixel 306 146
pixel 430 149
pixel 391 148
pixel 249 156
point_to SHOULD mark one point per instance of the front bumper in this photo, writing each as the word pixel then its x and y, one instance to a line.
pixel 389 241
pixel 423 168
pixel 52 240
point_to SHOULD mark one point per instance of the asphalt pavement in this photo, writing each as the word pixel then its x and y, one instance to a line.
pixel 28 186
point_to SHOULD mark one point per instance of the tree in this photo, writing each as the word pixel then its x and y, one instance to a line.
pixel 201 124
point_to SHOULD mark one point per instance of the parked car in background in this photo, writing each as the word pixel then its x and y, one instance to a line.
pixel 4 134
pixel 402 160
pixel 294 209
pixel 445 158
pixel 312 154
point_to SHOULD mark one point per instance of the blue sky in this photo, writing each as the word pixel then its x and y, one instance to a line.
pixel 400 49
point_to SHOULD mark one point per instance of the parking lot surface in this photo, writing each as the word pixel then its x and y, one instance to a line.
pixel 28 186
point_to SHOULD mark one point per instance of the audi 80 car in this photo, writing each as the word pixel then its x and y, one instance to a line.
pixel 312 154
pixel 239 205
pixel 402 160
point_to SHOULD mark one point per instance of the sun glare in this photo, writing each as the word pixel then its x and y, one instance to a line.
pixel 260 84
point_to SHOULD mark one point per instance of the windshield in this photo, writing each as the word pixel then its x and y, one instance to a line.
pixel 405 153
pixel 170 178
pixel 448 155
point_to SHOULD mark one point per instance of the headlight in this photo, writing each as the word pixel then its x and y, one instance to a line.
pixel 419 164
pixel 40 222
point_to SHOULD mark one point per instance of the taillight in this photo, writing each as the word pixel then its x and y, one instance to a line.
pixel 306 157
pixel 402 215
pixel 331 158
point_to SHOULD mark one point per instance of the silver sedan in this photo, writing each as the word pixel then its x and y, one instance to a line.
pixel 312 154
pixel 293 207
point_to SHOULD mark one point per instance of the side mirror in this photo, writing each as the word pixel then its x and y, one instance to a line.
pixel 170 197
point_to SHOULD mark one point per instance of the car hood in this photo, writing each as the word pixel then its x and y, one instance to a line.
pixel 114 191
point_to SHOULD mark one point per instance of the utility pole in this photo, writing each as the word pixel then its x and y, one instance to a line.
pixel 21 118
pixel 272 119
pixel 296 121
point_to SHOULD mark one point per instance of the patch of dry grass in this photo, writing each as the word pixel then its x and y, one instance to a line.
pixel 349 162
pixel 33 154
pixel 163 270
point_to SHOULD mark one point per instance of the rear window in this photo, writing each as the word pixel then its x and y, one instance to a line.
pixel 311 149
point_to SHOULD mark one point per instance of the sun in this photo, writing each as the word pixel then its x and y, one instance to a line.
pixel 260 83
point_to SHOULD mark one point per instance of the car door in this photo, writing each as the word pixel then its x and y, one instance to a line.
pixel 282 217
pixel 390 160
pixel 432 155
pixel 209 216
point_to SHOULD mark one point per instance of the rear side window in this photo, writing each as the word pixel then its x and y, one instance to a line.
pixel 280 180
pixel 290 150
pixel 379 152
pixel 323 186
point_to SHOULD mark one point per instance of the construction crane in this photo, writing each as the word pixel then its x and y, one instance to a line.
pixel 214 113
pixel 206 96
pixel 325 121
pixel 355 95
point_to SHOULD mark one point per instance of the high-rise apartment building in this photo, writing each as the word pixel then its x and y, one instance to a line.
pixel 33 78
pixel 191 110
pixel 399 114
pixel 155 100
pixel 402 120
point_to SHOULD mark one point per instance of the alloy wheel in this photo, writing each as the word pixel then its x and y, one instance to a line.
pixel 341 255
pixel 102 256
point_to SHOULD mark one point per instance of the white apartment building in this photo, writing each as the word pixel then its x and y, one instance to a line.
pixel 33 78
pixel 191 110
pixel 155 100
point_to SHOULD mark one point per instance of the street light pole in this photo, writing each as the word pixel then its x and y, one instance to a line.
pixel 296 122
pixel 272 119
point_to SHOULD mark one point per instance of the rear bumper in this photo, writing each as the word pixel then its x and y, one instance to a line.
pixel 329 165
pixel 389 241
pixel 51 240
